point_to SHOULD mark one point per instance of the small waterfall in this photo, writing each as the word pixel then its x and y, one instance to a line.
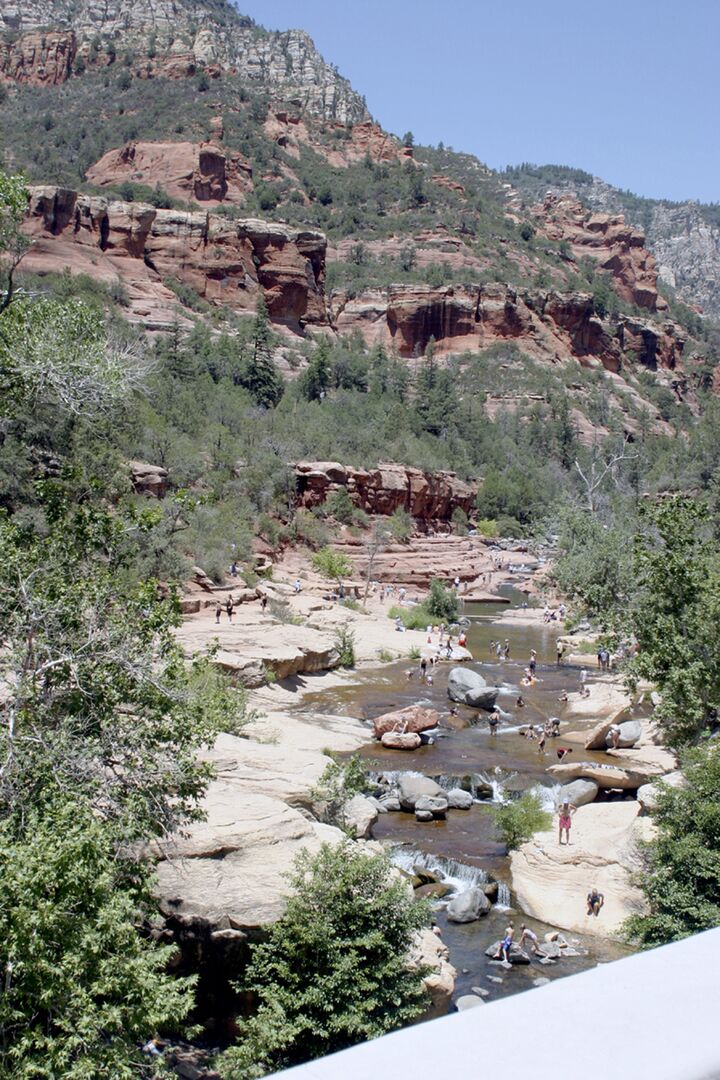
pixel 548 795
pixel 503 897
pixel 451 872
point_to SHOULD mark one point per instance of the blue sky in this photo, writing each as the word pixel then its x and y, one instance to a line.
pixel 627 89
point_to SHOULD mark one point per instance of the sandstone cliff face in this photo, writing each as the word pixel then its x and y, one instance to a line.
pixel 425 496
pixel 38 59
pixel 226 261
pixel 618 247
pixel 190 171
pixel 547 325
pixel 684 240
pixel 339 145
pixel 207 32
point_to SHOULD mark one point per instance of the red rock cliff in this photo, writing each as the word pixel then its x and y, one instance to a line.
pixel 226 261
pixel 424 495
pixel 190 171
pixel 617 247
pixel 38 58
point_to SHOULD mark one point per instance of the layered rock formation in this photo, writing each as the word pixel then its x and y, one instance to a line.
pixel 684 237
pixel 202 172
pixel 338 144
pixel 225 261
pixel 177 37
pixel 389 487
pixel 38 59
pixel 547 325
pixel 617 247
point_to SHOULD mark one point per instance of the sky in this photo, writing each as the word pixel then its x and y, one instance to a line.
pixel 625 89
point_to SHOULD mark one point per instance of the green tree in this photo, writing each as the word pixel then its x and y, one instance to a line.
pixel 519 819
pixel 102 703
pixel 13 204
pixel 674 615
pixel 334 970
pixel 81 987
pixel 441 603
pixel 315 381
pixel 681 864
pixel 332 564
pixel 262 379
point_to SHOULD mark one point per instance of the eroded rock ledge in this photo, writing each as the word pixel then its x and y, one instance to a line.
pixel 225 261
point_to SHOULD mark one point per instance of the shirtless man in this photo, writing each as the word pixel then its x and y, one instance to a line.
pixel 565 822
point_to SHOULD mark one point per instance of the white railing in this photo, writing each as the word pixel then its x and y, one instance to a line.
pixel 652 1016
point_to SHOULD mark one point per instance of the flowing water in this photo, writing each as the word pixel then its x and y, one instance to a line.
pixel 464 849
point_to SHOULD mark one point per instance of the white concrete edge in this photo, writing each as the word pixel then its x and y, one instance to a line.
pixel 651 1015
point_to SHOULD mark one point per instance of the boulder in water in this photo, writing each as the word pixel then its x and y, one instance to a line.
pixel 466 687
pixel 630 733
pixel 468 906
pixel 459 799
pixel 415 718
pixel 390 803
pixel 517 955
pixel 578 793
pixel 412 785
pixel 491 890
pixel 436 804
pixel 468 1001
pixel 396 740
pixel 424 815
pixel 482 788
pixel 434 891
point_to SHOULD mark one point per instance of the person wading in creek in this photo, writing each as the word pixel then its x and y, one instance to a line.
pixel 493 721
pixel 565 822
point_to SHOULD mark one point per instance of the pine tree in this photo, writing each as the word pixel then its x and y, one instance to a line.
pixel 316 379
pixel 262 378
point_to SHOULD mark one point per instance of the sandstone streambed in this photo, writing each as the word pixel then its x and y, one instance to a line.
pixel 463 755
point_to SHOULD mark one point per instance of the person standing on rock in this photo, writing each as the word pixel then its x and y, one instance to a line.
pixel 595 901
pixel 506 945
pixel 218 612
pixel 230 607
pixel 566 812
pixel 263 602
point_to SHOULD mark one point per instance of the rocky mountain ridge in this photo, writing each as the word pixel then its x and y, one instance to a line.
pixel 684 237
pixel 46 40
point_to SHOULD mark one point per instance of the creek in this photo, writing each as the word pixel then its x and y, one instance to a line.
pixel 464 849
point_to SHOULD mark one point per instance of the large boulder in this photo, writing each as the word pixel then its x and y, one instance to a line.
pixel 415 719
pixel 595 738
pixel 413 786
pixel 437 805
pixel 647 795
pixel 468 906
pixel 459 799
pixel 605 776
pixel 360 814
pixel 467 687
pixel 630 733
pixel 578 793
pixel 430 952
pixel 397 740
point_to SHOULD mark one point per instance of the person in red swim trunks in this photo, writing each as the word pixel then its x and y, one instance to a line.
pixel 566 812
